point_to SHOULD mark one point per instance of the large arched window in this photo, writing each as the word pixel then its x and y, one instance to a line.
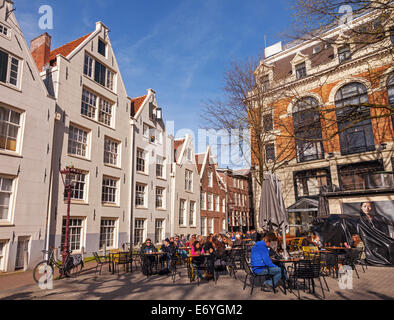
pixel 307 130
pixel 390 91
pixel 354 122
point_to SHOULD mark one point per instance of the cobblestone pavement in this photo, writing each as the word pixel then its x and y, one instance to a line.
pixel 376 283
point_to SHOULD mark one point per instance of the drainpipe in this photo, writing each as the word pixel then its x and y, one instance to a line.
pixel 132 188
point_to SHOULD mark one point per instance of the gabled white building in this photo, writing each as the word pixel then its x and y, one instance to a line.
pixel 151 166
pixel 185 189
pixel 26 128
pixel 92 134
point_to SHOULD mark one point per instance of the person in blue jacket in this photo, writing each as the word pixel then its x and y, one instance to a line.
pixel 262 264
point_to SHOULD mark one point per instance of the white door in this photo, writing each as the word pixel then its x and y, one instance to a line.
pixel 3 244
pixel 23 246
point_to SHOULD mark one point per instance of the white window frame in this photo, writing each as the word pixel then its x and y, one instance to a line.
pixel 139 228
pixel 85 187
pixel 9 124
pixel 160 164
pixel 83 146
pixel 210 202
pixel 7 33
pixel 217 203
pixel 11 194
pixel 192 213
pixel 189 180
pixel 110 187
pixel 203 201
pixel 98 109
pixel 88 68
pixel 140 188
pixel 113 152
pixel 224 205
pixel 203 226
pixel 142 155
pixel 210 179
pixel 159 229
pixel 71 227
pixel 182 212
pixel 163 196
pixel 114 232
pixel 18 71
pixel 89 102
pixel 105 111
pixel 211 225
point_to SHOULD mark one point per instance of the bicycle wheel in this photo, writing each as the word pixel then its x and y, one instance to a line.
pixel 42 272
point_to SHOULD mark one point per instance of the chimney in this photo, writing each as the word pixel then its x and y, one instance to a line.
pixel 40 48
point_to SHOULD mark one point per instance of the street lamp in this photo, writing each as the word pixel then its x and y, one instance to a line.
pixel 70 177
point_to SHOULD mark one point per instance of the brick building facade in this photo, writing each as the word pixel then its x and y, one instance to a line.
pixel 239 199
pixel 213 195
pixel 354 161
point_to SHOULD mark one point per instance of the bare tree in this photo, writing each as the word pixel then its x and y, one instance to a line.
pixel 245 111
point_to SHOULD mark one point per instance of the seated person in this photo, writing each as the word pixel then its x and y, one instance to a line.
pixel 182 241
pixel 179 244
pixel 191 241
pixel 316 240
pixel 148 261
pixel 169 252
pixel 197 260
pixel 358 243
pixel 262 264
pixel 209 247
pixel 238 241
pixel 272 253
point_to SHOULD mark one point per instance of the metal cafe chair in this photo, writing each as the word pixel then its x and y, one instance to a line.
pixel 252 276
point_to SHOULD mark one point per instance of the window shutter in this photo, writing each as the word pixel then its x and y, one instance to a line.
pixel 3 66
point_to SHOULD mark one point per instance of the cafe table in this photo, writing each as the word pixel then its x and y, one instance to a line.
pixel 114 257
pixel 156 254
pixel 294 261
pixel 189 263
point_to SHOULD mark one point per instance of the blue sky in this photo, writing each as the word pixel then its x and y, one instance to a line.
pixel 180 48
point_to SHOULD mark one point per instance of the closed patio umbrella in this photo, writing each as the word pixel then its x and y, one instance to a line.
pixel 324 209
pixel 272 209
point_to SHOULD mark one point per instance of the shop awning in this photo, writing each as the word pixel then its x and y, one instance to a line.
pixel 304 205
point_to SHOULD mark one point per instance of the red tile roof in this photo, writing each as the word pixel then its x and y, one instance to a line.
pixel 178 143
pixel 199 161
pixel 66 49
pixel 136 104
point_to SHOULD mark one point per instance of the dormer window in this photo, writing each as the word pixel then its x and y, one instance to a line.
pixel 344 53
pixel 316 49
pixel 301 70
pixel 102 47
pixel 265 83
pixel 3 30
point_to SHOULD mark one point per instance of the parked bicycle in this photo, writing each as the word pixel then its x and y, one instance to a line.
pixel 45 269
